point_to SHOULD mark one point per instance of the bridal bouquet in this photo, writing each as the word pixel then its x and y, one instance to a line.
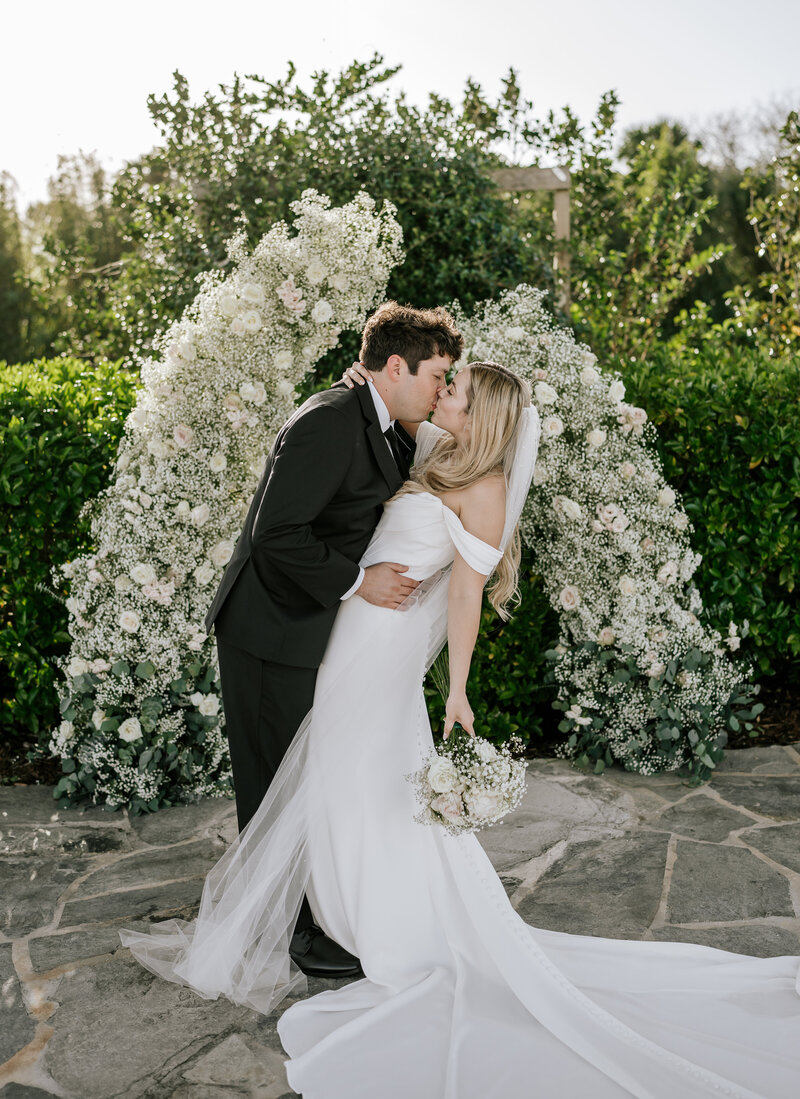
pixel 468 783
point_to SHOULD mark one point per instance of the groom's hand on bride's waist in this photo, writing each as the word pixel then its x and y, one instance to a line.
pixel 385 586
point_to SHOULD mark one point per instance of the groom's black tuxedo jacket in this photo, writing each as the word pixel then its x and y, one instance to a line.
pixel 312 516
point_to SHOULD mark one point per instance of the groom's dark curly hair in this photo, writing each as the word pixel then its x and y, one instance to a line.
pixel 414 334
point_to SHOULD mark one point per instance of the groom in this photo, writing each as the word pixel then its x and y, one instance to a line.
pixel 333 465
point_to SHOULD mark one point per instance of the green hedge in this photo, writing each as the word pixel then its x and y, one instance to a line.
pixel 728 421
pixel 60 423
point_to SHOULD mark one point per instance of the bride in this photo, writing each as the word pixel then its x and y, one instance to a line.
pixel 460 998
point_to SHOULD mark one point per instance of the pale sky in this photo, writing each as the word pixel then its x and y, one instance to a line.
pixel 76 76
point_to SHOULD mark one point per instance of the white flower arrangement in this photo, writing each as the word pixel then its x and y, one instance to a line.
pixel 213 397
pixel 612 547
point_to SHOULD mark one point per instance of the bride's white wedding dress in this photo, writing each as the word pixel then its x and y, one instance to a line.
pixel 461 999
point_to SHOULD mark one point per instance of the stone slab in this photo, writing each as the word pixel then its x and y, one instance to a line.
pixel 178 898
pixel 16 1026
pixel 52 951
pixel 36 805
pixel 777 798
pixel 780 843
pixel 772 760
pixel 160 865
pixel 701 817
pixel 23 1091
pixel 30 888
pixel 184 822
pixel 670 787
pixel 82 839
pixel 757 940
pixel 609 887
pixel 715 883
pixel 238 1061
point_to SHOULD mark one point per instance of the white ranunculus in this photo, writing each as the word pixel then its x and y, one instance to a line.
pixel 283 360
pixel 209 706
pixel 123 583
pixel 316 271
pixel 251 319
pixel 183 435
pixel 130 730
pixel 666 497
pixel 616 390
pixel 187 351
pixel 627 585
pixel 217 462
pixel 340 282
pixel 606 636
pixel 627 470
pixel 450 806
pixel 442 776
pixel 221 553
pixel 571 509
pixel 143 573
pixel 228 304
pixel 322 312
pixel 98 717
pixel 253 294
pixel 200 515
pixel 129 621
pixel 596 437
pixel 516 332
pixel 204 574
pixel 482 804
pixel 569 597
pixel 77 666
pixel 552 427
pixel 543 393
pixel 668 573
pixel 589 376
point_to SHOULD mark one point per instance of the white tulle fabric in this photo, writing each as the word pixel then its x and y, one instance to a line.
pixel 461 999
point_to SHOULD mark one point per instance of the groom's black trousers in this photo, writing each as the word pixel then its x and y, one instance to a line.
pixel 264 705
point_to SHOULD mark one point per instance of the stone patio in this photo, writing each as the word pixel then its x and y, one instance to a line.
pixel 618 855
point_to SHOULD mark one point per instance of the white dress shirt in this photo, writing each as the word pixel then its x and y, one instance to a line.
pixel 385 420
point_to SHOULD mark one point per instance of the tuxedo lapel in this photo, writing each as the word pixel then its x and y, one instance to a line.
pixel 380 448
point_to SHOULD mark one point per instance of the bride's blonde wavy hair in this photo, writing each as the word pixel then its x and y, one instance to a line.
pixel 495 400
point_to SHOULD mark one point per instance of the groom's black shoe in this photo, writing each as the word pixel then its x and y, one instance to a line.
pixel 319 956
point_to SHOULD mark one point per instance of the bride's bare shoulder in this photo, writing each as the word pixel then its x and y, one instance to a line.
pixel 482 508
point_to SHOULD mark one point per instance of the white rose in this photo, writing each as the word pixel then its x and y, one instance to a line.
pixel 571 509
pixel 340 282
pixel 253 294
pixel 228 304
pixel 539 374
pixel 232 402
pixel 283 360
pixel 143 574
pixel 656 670
pixel 77 666
pixel 186 350
pixel 237 326
pixel 569 597
pixel 606 636
pixel 647 545
pixel 68 570
pixel 196 643
pixel 66 728
pixel 95 576
pixel 251 321
pixel 129 621
pixel 637 416
pixel 666 498
pixel 200 515
pixel 209 706
pixel 597 526
pixel 616 390
pixel 589 376
pixel 627 585
pixel 98 717
pixel 156 447
pixel 196 698
pixel 322 311
pixel 539 474
pixel 204 574
pixel 486 752
pixel 481 805
pixel 138 418
pixel 607 512
pixel 667 574
pixel 285 389
pixel 596 437
pixel 221 553
pixel 442 776
pixel 72 605
pixel 544 393
pixel 449 806
pixel 183 509
pixel 123 583
pixel 316 272
pixel 516 333
pixel 130 730
pixel 733 643
pixel 217 462
pixel 552 427
pixel 619 523
pixel 183 435
pixel 588 358
pixel 627 470
pixel 145 499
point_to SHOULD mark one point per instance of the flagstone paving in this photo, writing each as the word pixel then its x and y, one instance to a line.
pixel 617 855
